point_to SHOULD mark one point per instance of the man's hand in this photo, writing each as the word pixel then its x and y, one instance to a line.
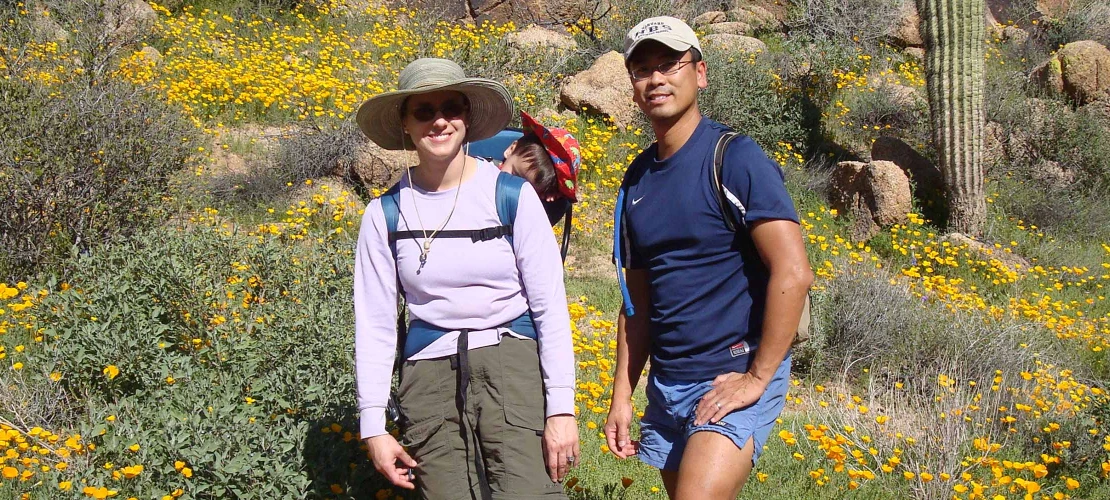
pixel 560 445
pixel 731 391
pixel 616 430
pixel 386 452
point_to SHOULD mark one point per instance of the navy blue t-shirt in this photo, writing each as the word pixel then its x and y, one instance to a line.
pixel 708 285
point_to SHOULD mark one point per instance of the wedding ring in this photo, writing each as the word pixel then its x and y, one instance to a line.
pixel 570 459
pixel 718 405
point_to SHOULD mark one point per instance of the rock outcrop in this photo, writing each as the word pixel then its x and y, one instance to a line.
pixel 1080 70
pixel 604 88
pixel 535 37
pixel 875 194
pixel 1085 67
pixel 928 182
pixel 739 44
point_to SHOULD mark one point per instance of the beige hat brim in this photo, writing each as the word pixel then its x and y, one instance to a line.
pixel 491 110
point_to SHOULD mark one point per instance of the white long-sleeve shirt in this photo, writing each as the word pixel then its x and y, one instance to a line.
pixel 476 286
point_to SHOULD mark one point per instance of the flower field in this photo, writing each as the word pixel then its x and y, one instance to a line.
pixel 210 355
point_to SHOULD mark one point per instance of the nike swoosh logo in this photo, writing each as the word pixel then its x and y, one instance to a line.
pixel 637 200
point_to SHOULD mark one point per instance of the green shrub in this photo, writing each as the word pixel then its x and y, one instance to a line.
pixel 910 336
pixel 747 94
pixel 859 115
pixel 81 166
pixel 230 359
pixel 862 21
pixel 1081 20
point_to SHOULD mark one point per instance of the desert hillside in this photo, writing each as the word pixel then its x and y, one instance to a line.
pixel 181 185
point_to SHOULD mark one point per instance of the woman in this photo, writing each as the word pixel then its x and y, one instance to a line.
pixel 488 411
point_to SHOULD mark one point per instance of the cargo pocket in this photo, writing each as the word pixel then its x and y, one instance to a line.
pixel 426 390
pixel 526 417
pixel 522 383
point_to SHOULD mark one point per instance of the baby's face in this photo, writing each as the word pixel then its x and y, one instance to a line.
pixel 518 166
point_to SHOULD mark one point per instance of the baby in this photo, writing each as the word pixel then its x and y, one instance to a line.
pixel 549 159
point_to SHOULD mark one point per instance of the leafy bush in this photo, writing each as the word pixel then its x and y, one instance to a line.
pixel 860 115
pixel 223 357
pixel 1082 20
pixel 81 166
pixel 863 21
pixel 746 93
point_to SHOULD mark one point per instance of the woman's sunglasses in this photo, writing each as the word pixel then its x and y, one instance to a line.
pixel 450 110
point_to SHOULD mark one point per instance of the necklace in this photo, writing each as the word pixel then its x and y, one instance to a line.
pixel 427 244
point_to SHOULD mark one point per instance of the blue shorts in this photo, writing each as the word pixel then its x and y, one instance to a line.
pixel 668 420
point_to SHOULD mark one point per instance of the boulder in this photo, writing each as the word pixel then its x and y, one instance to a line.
pixel 753 15
pixel 907 31
pixel 1049 76
pixel 903 96
pixel 890 192
pixel 129 19
pixel 151 54
pixel 1085 69
pixel 604 88
pixel 984 250
pixel 845 186
pixel 774 12
pixel 1014 35
pixel 711 17
pixel 729 28
pixel 535 37
pixel 374 167
pixel 735 43
pixel 1052 176
pixel 875 194
pixel 928 181
pixel 1055 8
pixel 44 28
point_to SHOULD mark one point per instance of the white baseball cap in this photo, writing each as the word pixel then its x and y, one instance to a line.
pixel 666 30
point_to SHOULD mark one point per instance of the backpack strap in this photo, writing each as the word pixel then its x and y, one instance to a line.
pixel 506 197
pixel 391 205
pixel 618 251
pixel 724 196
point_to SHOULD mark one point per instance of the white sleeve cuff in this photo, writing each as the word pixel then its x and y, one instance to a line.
pixel 560 401
pixel 371 422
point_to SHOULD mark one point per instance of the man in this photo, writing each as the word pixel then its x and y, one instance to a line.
pixel 716 309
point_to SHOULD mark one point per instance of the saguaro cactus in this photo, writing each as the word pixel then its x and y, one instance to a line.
pixel 954 60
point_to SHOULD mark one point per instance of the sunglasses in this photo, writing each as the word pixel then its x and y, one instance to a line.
pixel 449 109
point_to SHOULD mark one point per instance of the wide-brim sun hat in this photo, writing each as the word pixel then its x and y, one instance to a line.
pixel 566 154
pixel 490 106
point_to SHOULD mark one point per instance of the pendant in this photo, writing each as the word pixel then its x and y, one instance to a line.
pixel 423 260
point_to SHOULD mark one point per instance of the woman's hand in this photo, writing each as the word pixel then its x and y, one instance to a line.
pixel 386 452
pixel 560 445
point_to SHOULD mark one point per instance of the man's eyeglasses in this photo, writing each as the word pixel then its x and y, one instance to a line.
pixel 667 68
pixel 450 110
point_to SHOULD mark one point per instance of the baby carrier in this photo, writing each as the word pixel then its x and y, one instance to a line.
pixel 494 149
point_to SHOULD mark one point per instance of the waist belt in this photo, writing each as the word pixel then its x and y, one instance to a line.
pixel 422 334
